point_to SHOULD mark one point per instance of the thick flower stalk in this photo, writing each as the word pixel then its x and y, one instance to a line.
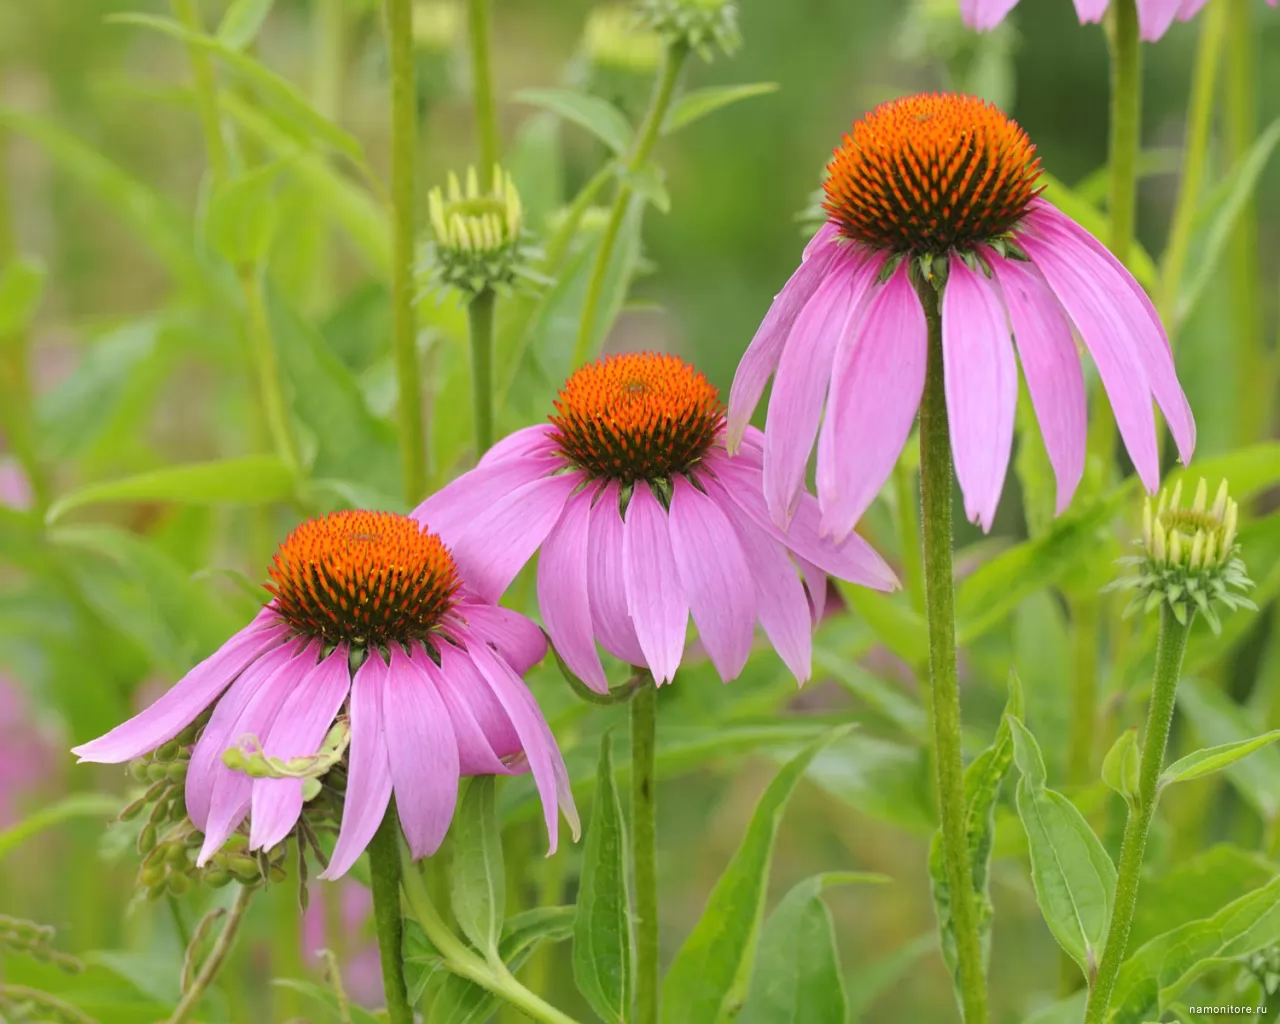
pixel 1154 16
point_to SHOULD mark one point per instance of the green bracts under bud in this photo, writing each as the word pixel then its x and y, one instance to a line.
pixel 1190 556
pixel 701 25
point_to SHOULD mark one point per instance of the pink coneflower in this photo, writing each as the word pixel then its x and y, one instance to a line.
pixel 1154 16
pixel 643 519
pixel 27 762
pixel 924 190
pixel 437 693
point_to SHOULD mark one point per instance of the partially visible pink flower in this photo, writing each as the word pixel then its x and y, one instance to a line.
pixel 643 521
pixel 361 968
pixel 26 752
pixel 437 694
pixel 1154 16
pixel 939 192
pixel 15 488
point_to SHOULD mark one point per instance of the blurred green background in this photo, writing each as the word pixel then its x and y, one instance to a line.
pixel 135 367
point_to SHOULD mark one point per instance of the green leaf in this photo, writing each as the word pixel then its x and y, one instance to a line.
pixel 1162 969
pixel 479 882
pixel 603 967
pixel 797 977
pixel 708 978
pixel 698 103
pixel 982 781
pixel 1121 765
pixel 240 25
pixel 1214 759
pixel 242 216
pixel 1221 721
pixel 21 288
pixel 1098 224
pixel 882 779
pixel 1073 877
pixel 77 805
pixel 253 480
pixel 889 699
pixel 600 117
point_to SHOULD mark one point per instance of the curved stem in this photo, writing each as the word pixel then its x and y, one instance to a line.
pixel 480 322
pixel 482 84
pixel 673 59
pixel 1169 651
pixel 644 706
pixel 384 877
pixel 268 366
pixel 206 91
pixel 226 939
pixel 939 583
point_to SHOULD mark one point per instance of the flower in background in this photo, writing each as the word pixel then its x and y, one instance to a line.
pixel 26 751
pixel 361 970
pixel 615 41
pixel 1154 16
pixel 643 519
pixel 939 191
pixel 15 488
pixel 700 25
pixel 437 693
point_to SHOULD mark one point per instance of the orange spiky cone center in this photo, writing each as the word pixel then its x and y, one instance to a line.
pixel 931 173
pixel 364 578
pixel 641 416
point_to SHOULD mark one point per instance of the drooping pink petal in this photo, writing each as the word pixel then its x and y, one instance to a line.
pixel 815 585
pixel 188 697
pixel 1155 17
pixel 795 406
pixel 981 379
pixel 984 15
pixel 822 240
pixel 304 720
pixel 563 596
pixel 499 537
pixel 655 598
pixel 517 637
pixel 1108 277
pixel 462 689
pixel 1051 366
pixel 232 790
pixel 1105 336
pixel 875 392
pixel 528 443
pixel 715 577
pixel 762 355
pixel 422 754
pixel 779 596
pixel 369 772
pixel 1091 11
pixel 606 580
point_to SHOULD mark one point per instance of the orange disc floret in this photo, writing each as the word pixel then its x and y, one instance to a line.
pixel 641 416
pixel 364 578
pixel 931 173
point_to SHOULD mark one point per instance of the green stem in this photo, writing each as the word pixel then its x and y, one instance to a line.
pixel 478 23
pixel 939 582
pixel 909 534
pixel 403 156
pixel 480 322
pixel 1169 650
pixel 206 90
pixel 1084 691
pixel 644 707
pixel 264 355
pixel 330 57
pixel 384 878
pixel 663 91
pixel 226 939
pixel 461 960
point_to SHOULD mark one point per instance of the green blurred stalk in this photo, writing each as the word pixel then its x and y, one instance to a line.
pixel 385 878
pixel 480 326
pixel 478 30
pixel 262 344
pixel 644 847
pixel 403 157
pixel 909 534
pixel 206 89
pixel 213 963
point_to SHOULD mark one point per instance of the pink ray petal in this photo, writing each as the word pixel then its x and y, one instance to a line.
pixel 1091 11
pixel 1155 17
pixel 529 442
pixel 462 688
pixel 563 595
pixel 517 637
pixel 655 599
pixel 605 580
pixel 984 15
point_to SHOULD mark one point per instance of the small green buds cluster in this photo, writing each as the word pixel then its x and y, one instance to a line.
pixel 169 867
pixel 1264 967
pixel 700 25
pixel 437 26
pixel 1190 559
pixel 615 41
pixel 478 241
pixel 18 935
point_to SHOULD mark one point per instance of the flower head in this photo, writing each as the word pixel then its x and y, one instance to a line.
pixel 701 25
pixel 615 42
pixel 437 25
pixel 435 695
pixel 940 192
pixel 644 520
pixel 1154 16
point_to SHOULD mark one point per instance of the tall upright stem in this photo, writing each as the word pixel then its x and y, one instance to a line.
pixel 403 157
pixel 939 585
pixel 478 29
pixel 1170 648
pixel 480 321
pixel 270 386
pixel 206 90
pixel 664 91
pixel 384 878
pixel 644 705
pixel 217 956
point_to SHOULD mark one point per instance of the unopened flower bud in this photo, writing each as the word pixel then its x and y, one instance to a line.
pixel 616 42
pixel 436 26
pixel 701 25
pixel 217 878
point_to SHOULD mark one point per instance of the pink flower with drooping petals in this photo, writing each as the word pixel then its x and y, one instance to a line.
pixel 361 967
pixel 924 190
pixel 644 520
pixel 1154 16
pixel 437 694
pixel 26 752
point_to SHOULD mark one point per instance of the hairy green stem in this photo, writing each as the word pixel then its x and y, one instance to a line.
pixel 264 355
pixel 663 92
pixel 206 90
pixel 405 334
pixel 478 29
pixel 1170 648
pixel 480 323
pixel 644 720
pixel 226 939
pixel 384 879
pixel 939 583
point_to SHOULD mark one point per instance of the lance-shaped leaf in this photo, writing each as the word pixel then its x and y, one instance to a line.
pixel 1074 878
pixel 479 881
pixel 1221 721
pixel 698 103
pixel 1120 768
pixel 1214 759
pixel 600 117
